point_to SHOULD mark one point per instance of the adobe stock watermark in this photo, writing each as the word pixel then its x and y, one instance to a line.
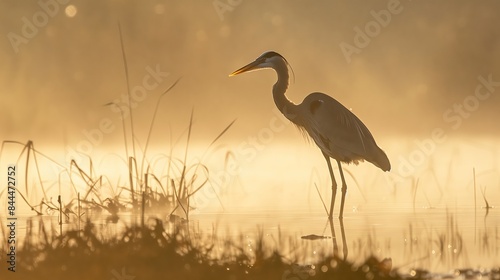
pixel 121 276
pixel 454 117
pixel 298 272
pixel 363 36
pixel 39 20
pixel 223 6
pixel 246 152
pixel 95 136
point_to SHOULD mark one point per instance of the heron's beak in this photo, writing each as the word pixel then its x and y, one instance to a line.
pixel 249 67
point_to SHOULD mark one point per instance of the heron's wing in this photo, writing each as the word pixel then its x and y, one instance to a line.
pixel 337 131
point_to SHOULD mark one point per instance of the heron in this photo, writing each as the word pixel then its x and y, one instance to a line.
pixel 337 132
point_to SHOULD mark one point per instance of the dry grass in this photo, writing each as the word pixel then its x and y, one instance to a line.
pixel 166 251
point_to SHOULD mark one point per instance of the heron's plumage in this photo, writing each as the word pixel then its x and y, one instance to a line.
pixel 338 132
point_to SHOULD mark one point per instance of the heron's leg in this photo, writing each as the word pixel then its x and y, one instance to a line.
pixel 344 191
pixel 334 185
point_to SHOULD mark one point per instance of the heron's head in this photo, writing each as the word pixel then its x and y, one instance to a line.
pixel 268 59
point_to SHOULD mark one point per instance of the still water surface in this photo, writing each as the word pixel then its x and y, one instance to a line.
pixel 437 239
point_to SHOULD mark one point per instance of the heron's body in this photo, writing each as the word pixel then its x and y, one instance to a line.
pixel 336 130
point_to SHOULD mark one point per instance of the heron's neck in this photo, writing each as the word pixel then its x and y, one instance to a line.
pixel 286 107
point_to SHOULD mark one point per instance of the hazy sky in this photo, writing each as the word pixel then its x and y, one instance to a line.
pixel 404 67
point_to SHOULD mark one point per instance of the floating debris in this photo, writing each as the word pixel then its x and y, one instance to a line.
pixel 314 237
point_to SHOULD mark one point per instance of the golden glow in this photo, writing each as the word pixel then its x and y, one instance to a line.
pixel 71 11
pixel 426 86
